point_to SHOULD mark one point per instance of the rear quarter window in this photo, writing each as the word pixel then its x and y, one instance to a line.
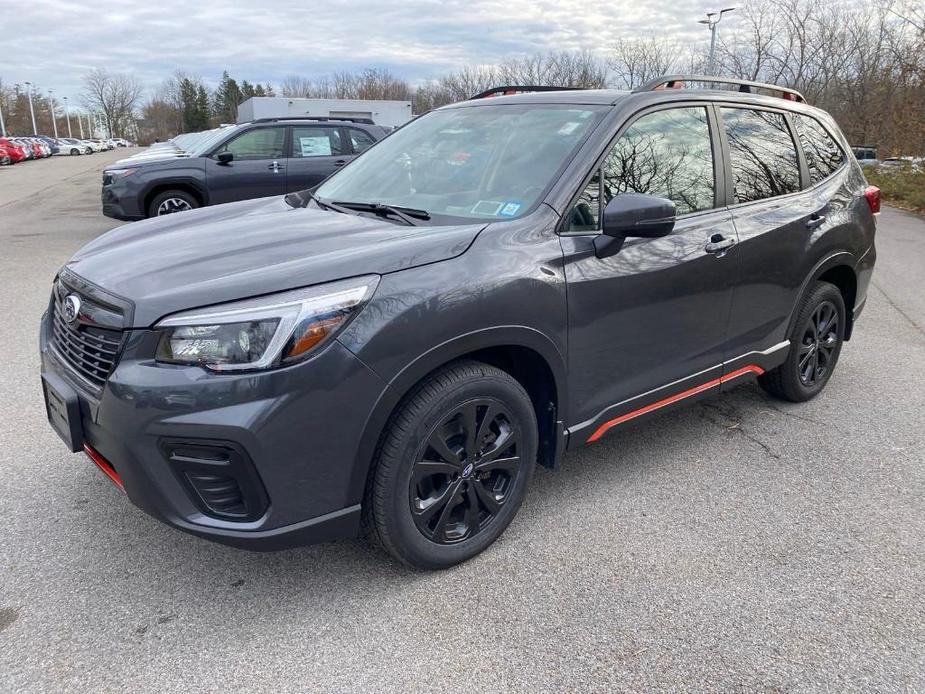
pixel 823 155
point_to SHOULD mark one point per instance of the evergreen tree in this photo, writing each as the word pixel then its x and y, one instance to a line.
pixel 188 105
pixel 247 89
pixel 227 98
pixel 202 107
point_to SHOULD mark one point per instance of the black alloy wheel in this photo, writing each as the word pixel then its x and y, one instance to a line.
pixel 463 475
pixel 819 340
pixel 453 465
pixel 815 343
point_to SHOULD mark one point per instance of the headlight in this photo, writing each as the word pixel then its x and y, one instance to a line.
pixel 262 333
pixel 119 173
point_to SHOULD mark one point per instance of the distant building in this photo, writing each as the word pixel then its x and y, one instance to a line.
pixel 387 113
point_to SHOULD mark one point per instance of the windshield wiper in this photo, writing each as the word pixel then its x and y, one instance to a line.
pixel 407 214
pixel 303 197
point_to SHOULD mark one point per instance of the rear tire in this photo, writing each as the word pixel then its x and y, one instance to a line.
pixel 171 201
pixel 815 345
pixel 453 466
pixel 74 151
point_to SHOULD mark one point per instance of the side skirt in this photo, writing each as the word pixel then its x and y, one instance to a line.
pixel 707 382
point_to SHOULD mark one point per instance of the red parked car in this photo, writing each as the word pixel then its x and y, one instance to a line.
pixel 14 151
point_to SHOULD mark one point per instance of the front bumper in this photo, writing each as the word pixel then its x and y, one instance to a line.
pixel 118 205
pixel 121 199
pixel 297 429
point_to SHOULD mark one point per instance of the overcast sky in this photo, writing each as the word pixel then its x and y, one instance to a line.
pixel 53 42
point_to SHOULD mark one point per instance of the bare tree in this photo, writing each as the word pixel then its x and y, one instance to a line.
pixel 639 60
pixel 115 95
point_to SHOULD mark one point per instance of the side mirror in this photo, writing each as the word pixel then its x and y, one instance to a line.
pixel 634 215
pixel 225 157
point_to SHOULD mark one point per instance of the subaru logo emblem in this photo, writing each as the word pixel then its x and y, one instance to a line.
pixel 71 308
pixel 467 470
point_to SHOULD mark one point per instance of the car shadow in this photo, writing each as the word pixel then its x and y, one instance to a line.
pixel 360 568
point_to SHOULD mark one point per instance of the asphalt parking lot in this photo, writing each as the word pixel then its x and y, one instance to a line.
pixel 741 544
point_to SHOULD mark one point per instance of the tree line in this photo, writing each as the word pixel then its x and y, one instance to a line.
pixel 863 62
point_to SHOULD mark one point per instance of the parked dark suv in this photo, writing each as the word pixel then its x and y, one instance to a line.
pixel 263 158
pixel 499 281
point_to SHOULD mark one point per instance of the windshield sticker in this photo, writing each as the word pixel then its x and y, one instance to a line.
pixel 509 209
pixel 315 146
pixel 569 128
pixel 491 207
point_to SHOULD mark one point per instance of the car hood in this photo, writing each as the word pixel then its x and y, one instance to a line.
pixel 149 158
pixel 243 249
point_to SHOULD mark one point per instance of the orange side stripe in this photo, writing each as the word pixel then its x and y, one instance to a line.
pixel 603 428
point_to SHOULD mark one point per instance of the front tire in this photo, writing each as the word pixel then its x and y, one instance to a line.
pixel 75 152
pixel 170 202
pixel 815 344
pixel 453 466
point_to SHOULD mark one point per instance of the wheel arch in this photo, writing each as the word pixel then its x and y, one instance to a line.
pixel 838 269
pixel 182 184
pixel 528 355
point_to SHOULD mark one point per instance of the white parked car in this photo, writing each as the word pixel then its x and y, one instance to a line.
pixel 70 147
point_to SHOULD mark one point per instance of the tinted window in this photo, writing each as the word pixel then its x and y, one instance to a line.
pixel 586 213
pixel 762 154
pixel 316 141
pixel 667 154
pixel 360 140
pixel 823 155
pixel 260 143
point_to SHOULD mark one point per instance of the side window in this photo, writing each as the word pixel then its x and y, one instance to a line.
pixel 360 140
pixel 823 155
pixel 667 153
pixel 260 143
pixel 762 154
pixel 316 141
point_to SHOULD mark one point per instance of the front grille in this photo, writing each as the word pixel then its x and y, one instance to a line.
pixel 89 350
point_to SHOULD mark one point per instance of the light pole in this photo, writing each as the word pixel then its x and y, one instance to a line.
pixel 81 124
pixel 711 21
pixel 35 130
pixel 54 120
pixel 2 124
pixel 67 116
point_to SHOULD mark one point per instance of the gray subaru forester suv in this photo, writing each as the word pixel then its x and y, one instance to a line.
pixel 497 282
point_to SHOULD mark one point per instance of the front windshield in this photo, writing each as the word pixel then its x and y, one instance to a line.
pixel 486 162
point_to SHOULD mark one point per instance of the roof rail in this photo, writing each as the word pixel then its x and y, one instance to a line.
pixel 515 89
pixel 746 86
pixel 365 121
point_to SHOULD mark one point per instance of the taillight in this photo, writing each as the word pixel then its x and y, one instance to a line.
pixel 872 195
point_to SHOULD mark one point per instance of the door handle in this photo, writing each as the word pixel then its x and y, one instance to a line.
pixel 340 162
pixel 718 244
pixel 274 167
pixel 815 221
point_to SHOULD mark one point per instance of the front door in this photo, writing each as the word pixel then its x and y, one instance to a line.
pixel 649 323
pixel 257 170
pixel 317 151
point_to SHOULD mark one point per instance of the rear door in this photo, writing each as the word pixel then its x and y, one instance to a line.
pixel 650 322
pixel 778 216
pixel 258 169
pixel 316 152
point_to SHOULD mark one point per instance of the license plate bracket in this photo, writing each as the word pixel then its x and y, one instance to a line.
pixel 63 409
